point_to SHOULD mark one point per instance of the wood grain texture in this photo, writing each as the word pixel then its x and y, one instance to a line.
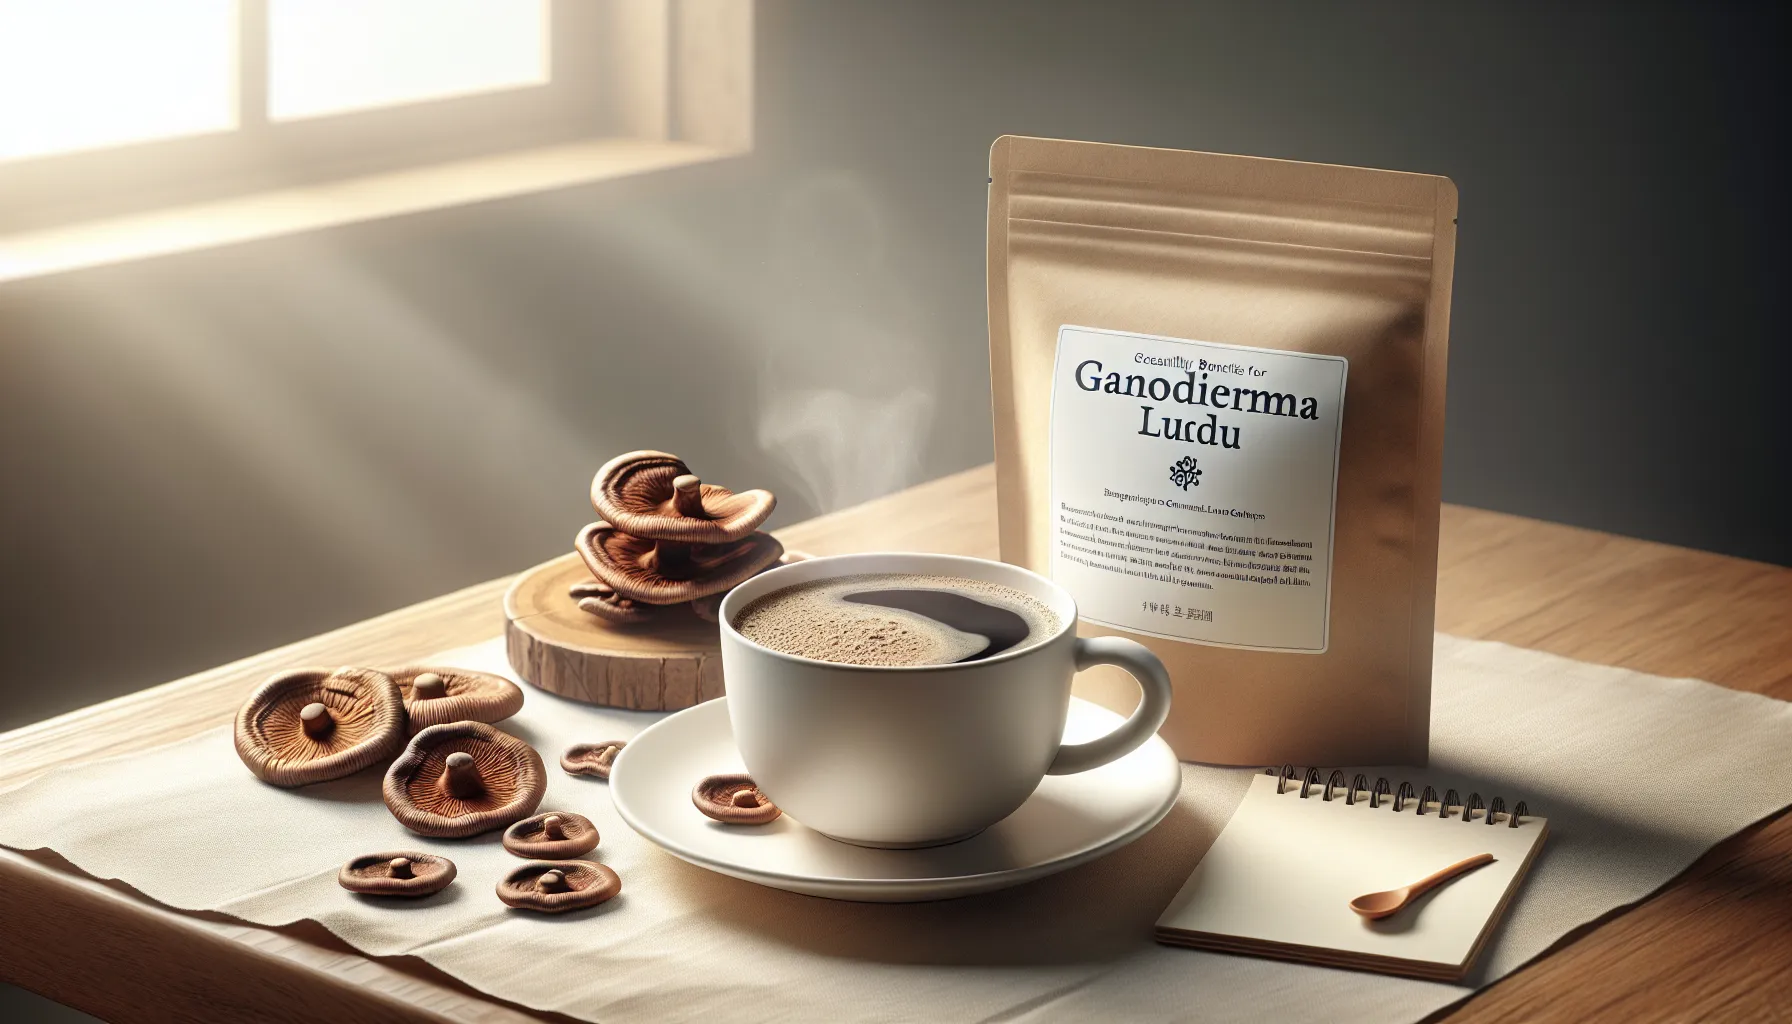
pixel 667 665
pixel 1714 944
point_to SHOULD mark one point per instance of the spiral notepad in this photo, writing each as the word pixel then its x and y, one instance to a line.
pixel 1279 880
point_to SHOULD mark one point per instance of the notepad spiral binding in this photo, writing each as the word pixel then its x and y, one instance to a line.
pixel 1310 783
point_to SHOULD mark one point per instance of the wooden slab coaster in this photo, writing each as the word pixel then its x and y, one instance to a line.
pixel 658 666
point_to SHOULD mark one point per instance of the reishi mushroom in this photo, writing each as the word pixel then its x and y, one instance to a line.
pixel 435 696
pixel 553 887
pixel 594 759
pixel 600 599
pixel 651 571
pixel 312 725
pixel 556 835
pixel 463 778
pixel 733 800
pixel 402 873
pixel 666 538
pixel 652 494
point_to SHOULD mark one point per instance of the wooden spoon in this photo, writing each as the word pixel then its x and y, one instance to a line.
pixel 1377 905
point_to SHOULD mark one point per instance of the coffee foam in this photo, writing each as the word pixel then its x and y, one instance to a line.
pixel 814 620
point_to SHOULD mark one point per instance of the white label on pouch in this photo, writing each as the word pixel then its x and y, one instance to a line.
pixel 1194 485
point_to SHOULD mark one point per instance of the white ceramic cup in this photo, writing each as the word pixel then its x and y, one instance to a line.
pixel 920 755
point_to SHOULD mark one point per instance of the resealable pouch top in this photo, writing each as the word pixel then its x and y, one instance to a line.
pixel 1218 387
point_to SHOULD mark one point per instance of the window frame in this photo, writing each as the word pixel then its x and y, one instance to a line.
pixel 578 101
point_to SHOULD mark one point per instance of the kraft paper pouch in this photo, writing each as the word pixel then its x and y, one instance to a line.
pixel 1218 386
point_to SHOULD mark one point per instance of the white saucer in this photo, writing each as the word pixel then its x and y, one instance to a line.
pixel 1069 819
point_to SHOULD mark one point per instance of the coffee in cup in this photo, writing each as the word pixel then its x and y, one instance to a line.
pixel 896 619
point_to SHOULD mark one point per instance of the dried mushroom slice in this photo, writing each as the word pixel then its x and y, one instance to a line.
pixel 436 696
pixel 314 724
pixel 402 873
pixel 733 800
pixel 654 495
pixel 594 759
pixel 600 599
pixel 462 779
pixel 651 572
pixel 556 835
pixel 554 887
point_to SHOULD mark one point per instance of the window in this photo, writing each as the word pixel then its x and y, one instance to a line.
pixel 112 106
pixel 117 107
pixel 134 128
pixel 81 74
pixel 334 56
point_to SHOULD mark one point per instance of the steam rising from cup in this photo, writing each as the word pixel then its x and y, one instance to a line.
pixel 846 397
pixel 845 448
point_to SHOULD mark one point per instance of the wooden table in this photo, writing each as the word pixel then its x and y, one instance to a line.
pixel 1715 943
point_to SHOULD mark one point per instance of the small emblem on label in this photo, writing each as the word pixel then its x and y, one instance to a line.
pixel 1185 473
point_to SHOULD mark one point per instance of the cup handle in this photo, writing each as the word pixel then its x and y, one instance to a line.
pixel 1152 678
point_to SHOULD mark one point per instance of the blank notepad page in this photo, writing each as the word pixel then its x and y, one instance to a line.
pixel 1279 880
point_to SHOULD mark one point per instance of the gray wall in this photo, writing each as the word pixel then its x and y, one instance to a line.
pixel 212 453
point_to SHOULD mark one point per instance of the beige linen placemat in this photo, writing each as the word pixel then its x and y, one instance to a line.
pixel 1638 775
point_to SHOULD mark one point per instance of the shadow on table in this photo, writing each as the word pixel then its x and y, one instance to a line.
pixel 1093 912
pixel 359 788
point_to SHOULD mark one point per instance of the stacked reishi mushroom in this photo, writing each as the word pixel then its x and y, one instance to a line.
pixel 667 538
